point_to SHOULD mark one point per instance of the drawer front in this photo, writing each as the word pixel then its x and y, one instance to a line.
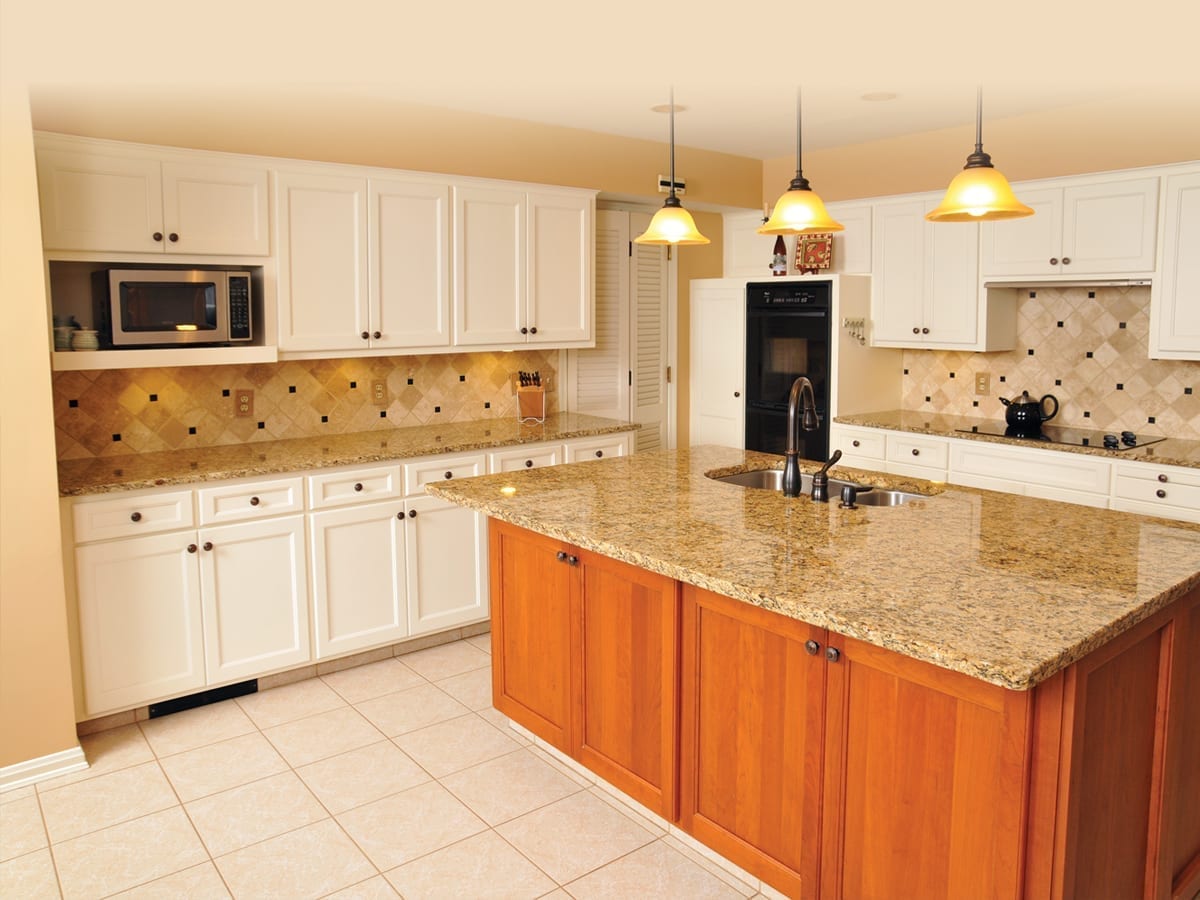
pixel 443 468
pixel 1165 493
pixel 132 515
pixel 1164 476
pixel 596 448
pixel 528 456
pixel 1037 469
pixel 254 500
pixel 327 489
pixel 915 450
pixel 861 443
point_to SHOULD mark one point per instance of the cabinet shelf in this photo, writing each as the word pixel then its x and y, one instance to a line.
pixel 78 361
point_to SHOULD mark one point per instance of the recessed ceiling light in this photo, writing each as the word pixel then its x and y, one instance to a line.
pixel 879 96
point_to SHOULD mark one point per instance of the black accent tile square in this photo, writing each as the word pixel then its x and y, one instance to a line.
pixel 1003 379
pixel 1029 351
pixel 1086 414
pixel 487 405
pixel 1060 324
pixel 974 402
pixel 1090 354
pixel 928 399
pixel 1058 382
pixel 262 425
pixel 154 398
pixel 1032 294
pixel 324 419
pixel 353 385
pixel 383 414
pixel 116 438
pixel 1185 390
pixel 291 389
pixel 410 381
pixel 74 404
pixel 225 393
pixel 1120 387
pixel 906 371
pixel 1091 295
pixel 437 409
pixel 191 429
pixel 1150 420
pixel 951 374
pixel 462 377
pixel 1121 325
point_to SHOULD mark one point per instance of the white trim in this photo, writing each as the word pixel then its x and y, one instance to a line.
pixel 49 766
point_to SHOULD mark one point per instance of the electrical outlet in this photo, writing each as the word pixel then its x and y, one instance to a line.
pixel 983 383
pixel 243 403
pixel 379 392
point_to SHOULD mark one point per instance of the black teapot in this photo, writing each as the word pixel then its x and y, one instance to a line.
pixel 1026 414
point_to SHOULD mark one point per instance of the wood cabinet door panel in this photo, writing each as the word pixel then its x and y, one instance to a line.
pixel 751 725
pixel 626 621
pixel 531 631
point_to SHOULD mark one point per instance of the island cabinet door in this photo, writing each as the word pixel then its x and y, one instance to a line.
pixel 531 631
pixel 752 692
pixel 626 624
pixel 924 780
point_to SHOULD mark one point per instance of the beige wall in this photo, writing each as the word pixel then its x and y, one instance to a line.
pixel 36 707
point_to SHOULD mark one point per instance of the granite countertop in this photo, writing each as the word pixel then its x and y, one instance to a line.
pixel 1005 588
pixel 181 467
pixel 1170 452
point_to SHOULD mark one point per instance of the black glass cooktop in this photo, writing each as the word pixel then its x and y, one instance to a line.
pixel 1059 434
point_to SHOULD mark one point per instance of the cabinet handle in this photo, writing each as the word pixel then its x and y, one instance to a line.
pixel 1054 260
pixel 157 236
pixel 524 330
pixel 572 560
pixel 366 335
pixel 1160 493
pixel 358 485
pixel 448 475
pixel 737 393
pixel 1066 260
pixel 833 654
pixel 533 330
pixel 376 335
pixel 172 237
pixel 916 452
pixel 400 515
pixel 599 454
pixel 916 330
pixel 811 648
pixel 135 517
pixel 854 443
pixel 529 463
pixel 208 545
pixel 191 548
pixel 412 513
pixel 924 331
pixel 561 556
pixel 254 501
pixel 1162 478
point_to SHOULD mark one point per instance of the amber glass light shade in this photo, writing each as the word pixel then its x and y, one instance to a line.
pixel 800 211
pixel 671 225
pixel 979 194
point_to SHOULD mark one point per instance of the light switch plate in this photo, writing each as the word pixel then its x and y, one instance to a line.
pixel 983 383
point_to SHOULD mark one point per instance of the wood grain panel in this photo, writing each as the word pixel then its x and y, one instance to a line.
pixel 1179 872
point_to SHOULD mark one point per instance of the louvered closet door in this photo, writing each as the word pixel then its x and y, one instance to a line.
pixel 648 287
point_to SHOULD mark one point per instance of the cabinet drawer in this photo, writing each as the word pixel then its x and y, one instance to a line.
pixel 596 448
pixel 256 500
pixel 338 488
pixel 528 456
pixel 132 515
pixel 1042 471
pixel 1169 493
pixel 916 450
pixel 861 443
pixel 442 468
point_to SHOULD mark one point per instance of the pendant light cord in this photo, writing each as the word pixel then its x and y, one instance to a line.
pixel 672 106
pixel 979 119
pixel 798 145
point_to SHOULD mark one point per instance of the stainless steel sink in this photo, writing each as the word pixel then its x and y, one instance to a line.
pixel 772 480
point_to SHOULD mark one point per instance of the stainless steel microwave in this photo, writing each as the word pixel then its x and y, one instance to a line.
pixel 161 307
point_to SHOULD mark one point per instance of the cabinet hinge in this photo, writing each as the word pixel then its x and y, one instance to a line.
pixel 668 374
pixel 631 249
pixel 668 252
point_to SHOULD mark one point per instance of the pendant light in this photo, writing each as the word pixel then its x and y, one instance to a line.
pixel 672 224
pixel 979 193
pixel 800 210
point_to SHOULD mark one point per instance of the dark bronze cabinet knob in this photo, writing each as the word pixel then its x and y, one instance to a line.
pixel 191 548
pixel 365 336
pixel 524 330
pixel 916 330
pixel 412 513
pixel 157 235
pixel 561 556
pixel 1066 260
pixel 529 463
pixel 448 475
pixel 599 454
pixel 737 393
pixel 172 237
pixel 924 331
pixel 1163 478
pixel 1054 260
pixel 833 654
pixel 208 545
pixel 916 452
pixel 376 335
pixel 400 515
pixel 1160 493
pixel 572 560
pixel 854 443
pixel 358 486
pixel 533 330
pixel 811 648
pixel 135 517
pixel 254 501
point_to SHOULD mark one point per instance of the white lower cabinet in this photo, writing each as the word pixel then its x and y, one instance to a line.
pixel 1067 477
pixel 917 455
pixel 604 447
pixel 862 448
pixel 527 456
pixel 1172 492
pixel 446 555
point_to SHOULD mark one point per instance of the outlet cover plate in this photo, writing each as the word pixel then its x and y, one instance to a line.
pixel 243 403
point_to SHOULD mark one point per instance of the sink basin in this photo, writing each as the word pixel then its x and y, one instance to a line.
pixel 772 480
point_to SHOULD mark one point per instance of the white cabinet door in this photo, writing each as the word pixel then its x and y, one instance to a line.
pixel 215 209
pixel 410 263
pixel 559 300
pixel 489 266
pixel 359 581
pixel 1026 246
pixel 951 313
pixel 446 553
pixel 140 629
pixel 604 447
pixel 1110 228
pixel 718 364
pixel 92 201
pixel 898 279
pixel 322 262
pixel 852 247
pixel 529 456
pixel 1174 310
pixel 255 597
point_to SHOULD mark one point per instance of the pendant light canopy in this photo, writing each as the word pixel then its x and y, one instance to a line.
pixel 672 224
pixel 800 210
pixel 979 193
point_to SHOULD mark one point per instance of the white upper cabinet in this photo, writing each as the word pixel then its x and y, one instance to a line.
pixel 523 266
pixel 134 200
pixel 1104 228
pixel 852 247
pixel 1174 310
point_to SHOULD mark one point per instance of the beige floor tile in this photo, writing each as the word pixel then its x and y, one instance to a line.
pixel 200 882
pixel 21 828
pixel 323 735
pixel 441 662
pixel 737 878
pixel 361 776
pixel 483 866
pixel 409 710
pixel 375 888
pixel 194 728
pixel 482 641
pixel 106 800
pixel 471 689
pixel 373 680
pixel 106 751
pixel 254 812
pixel 290 702
pixel 651 871
pixel 126 855
pixel 494 717
pixel 29 877
pixel 218 767
pixel 20 793
pixel 309 862
pixel 410 824
pixel 509 786
pixel 573 836
pixel 455 745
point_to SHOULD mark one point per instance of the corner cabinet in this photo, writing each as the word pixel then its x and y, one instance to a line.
pixel 523 266
pixel 1174 310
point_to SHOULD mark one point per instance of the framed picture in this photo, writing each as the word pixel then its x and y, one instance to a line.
pixel 813 253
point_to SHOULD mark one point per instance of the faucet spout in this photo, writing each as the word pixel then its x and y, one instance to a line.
pixel 801 413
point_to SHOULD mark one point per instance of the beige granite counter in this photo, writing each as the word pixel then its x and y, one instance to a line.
pixel 1005 588
pixel 121 473
pixel 1170 452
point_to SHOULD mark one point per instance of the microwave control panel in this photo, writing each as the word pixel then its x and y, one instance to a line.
pixel 239 306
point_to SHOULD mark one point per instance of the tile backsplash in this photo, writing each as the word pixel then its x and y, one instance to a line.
pixel 1087 347
pixel 108 412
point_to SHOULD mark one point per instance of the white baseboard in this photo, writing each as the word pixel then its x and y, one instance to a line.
pixel 50 766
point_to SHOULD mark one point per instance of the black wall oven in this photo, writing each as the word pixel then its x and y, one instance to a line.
pixel 787 335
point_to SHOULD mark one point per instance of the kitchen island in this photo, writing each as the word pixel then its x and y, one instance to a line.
pixel 973 694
